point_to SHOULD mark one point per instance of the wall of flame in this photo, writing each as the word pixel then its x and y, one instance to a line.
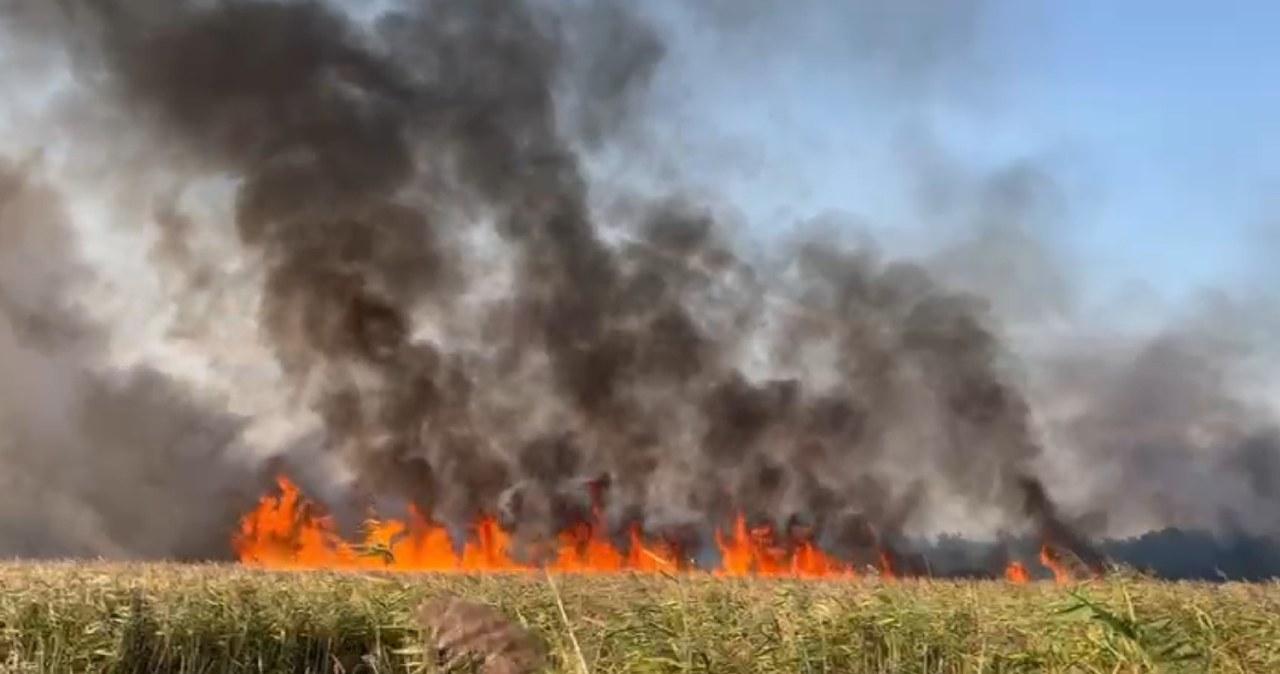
pixel 286 531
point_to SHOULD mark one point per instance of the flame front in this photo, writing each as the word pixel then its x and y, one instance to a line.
pixel 288 532
pixel 285 532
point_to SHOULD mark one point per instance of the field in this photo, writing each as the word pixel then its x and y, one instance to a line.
pixel 69 617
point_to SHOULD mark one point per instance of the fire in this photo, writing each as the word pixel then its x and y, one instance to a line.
pixel 286 532
pixel 1052 561
pixel 1017 574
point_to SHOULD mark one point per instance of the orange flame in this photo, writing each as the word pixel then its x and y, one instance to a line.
pixel 1061 572
pixel 886 566
pixel 285 532
pixel 1016 573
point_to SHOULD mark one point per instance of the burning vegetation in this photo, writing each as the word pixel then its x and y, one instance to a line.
pixel 469 330
pixel 286 531
pixel 467 326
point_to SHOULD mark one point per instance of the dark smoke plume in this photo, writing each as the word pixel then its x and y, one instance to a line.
pixel 411 225
pixel 438 290
pixel 362 179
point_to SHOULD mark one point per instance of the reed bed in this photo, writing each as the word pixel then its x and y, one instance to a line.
pixel 86 617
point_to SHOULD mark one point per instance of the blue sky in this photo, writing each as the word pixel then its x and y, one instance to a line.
pixel 1178 104
pixel 1160 120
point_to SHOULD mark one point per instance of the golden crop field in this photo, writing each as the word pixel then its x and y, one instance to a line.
pixel 83 617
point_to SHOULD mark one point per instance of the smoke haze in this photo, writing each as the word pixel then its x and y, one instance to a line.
pixel 371 252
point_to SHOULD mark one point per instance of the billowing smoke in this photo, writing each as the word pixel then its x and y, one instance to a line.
pixel 1177 429
pixel 97 460
pixel 1153 416
pixel 438 293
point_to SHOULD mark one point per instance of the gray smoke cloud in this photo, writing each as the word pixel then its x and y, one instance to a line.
pixel 1174 429
pixel 98 460
pixel 453 321
pixel 1164 421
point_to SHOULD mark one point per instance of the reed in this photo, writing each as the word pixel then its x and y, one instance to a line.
pixel 86 617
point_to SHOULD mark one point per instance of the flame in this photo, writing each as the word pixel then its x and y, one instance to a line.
pixel 886 566
pixel 1016 573
pixel 286 532
pixel 1052 561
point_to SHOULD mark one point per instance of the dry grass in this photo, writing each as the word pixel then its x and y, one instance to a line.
pixel 158 618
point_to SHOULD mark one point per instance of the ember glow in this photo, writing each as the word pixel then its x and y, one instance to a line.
pixel 288 532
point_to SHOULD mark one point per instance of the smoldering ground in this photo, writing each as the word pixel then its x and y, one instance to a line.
pixel 463 328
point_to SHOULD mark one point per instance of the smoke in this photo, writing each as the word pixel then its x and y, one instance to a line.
pixel 1152 416
pixel 1002 229
pixel 908 51
pixel 379 238
pixel 98 461
pixel 1174 429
